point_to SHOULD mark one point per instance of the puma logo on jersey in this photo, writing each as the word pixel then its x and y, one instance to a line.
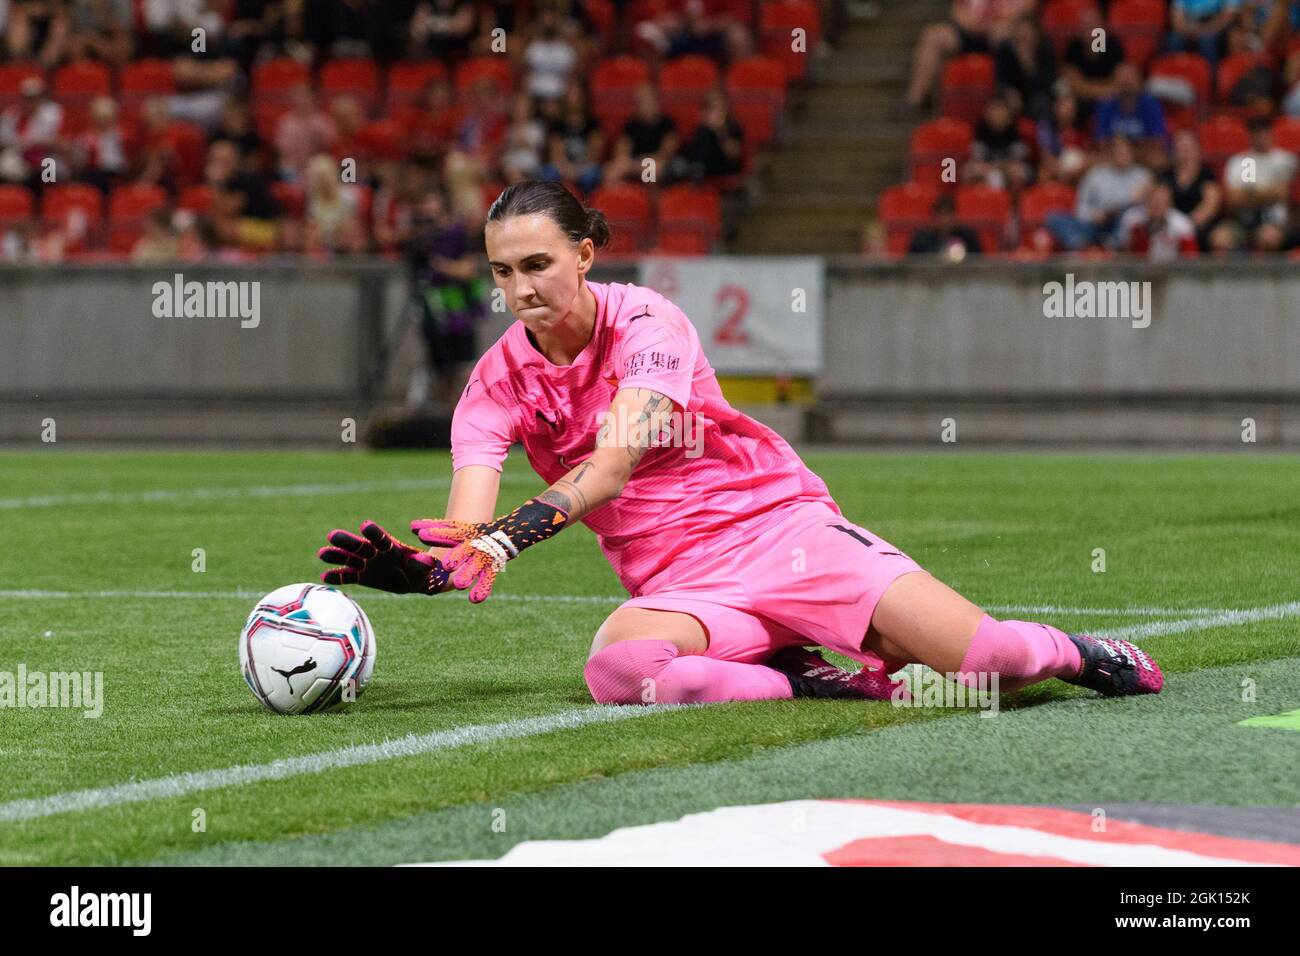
pixel 641 316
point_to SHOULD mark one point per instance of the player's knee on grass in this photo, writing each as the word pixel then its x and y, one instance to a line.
pixel 624 672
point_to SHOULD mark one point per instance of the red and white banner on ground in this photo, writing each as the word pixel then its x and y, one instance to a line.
pixel 890 833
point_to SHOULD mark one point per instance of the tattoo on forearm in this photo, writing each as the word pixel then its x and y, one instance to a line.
pixel 566 494
pixel 646 427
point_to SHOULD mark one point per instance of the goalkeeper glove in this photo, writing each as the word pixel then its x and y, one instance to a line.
pixel 378 560
pixel 480 551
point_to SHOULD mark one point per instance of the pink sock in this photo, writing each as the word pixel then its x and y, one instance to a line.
pixel 1021 653
pixel 652 672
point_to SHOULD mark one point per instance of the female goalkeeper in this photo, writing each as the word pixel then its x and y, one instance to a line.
pixel 734 553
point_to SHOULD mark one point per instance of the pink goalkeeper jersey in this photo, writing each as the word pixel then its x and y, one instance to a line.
pixel 723 478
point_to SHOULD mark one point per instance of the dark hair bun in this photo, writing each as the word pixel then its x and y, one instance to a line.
pixel 597 228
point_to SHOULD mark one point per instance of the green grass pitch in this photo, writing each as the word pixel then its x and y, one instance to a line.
pixel 95 541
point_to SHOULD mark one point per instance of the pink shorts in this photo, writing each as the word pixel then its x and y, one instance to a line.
pixel 814 577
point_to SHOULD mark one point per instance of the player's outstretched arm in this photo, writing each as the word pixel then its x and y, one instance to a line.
pixel 480 550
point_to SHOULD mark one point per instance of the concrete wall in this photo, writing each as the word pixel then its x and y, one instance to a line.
pixel 905 344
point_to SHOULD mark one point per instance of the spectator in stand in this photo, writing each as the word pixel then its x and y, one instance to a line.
pixel 236 126
pixel 575 144
pixel 1092 61
pixel 101 29
pixel 1108 189
pixel 715 148
pixel 647 134
pixel 29 134
pixel 525 143
pixel 37 30
pixel 157 161
pixel 397 201
pixel 1026 68
pixel 1157 230
pixel 159 243
pixel 693 31
pixel 947 237
pixel 551 57
pixel 434 125
pixel 348 118
pixel 1195 191
pixel 977 26
pixel 1199 26
pixel 169 26
pixel 333 211
pixel 1136 115
pixel 442 29
pixel 301 133
pixel 444 255
pixel 244 213
pixel 999 156
pixel 1258 186
pixel 348 28
pixel 99 153
pixel 254 24
pixel 479 132
pixel 1064 146
pixel 206 76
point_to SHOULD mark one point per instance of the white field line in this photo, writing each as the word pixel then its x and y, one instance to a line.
pixel 211 494
pixel 243 594
pixel 410 746
pixel 1224 618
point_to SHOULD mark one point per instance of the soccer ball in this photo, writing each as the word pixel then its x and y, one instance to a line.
pixel 305 648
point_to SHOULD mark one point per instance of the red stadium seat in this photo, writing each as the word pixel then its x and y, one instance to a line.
pixel 935 142
pixel 756 87
pixel 266 117
pixel 357 78
pixel 627 207
pixel 777 22
pixel 490 193
pixel 903 210
pixel 987 211
pixel 383 140
pixel 291 197
pixel 614 83
pixel 494 68
pixel 1060 20
pixel 690 218
pixel 738 11
pixel 967 83
pixel 191 146
pixel 128 208
pixel 1038 201
pixel 145 78
pixel 77 209
pixel 1231 70
pixel 604 18
pixel 1286 134
pixel 12 76
pixel 16 205
pixel 683 84
pixel 1221 136
pixel 1195 71
pixel 196 198
pixel 407 81
pixel 1139 24
pixel 76 84
pixel 273 80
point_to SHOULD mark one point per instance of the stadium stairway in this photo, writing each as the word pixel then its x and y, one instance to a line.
pixel 841 147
